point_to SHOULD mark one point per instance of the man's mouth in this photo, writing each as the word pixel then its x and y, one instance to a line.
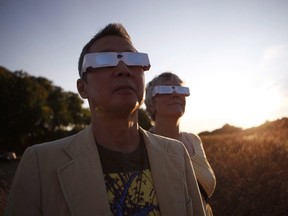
pixel 176 103
pixel 124 89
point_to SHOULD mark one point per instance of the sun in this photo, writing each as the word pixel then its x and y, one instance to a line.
pixel 241 104
pixel 255 106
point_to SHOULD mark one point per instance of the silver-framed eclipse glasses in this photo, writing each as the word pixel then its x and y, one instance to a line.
pixel 169 89
pixel 110 59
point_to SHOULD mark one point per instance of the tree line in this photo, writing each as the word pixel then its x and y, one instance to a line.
pixel 34 110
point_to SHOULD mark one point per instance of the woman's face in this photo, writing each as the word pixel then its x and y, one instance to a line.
pixel 169 105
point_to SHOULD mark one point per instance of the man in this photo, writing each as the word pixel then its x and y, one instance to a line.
pixel 113 167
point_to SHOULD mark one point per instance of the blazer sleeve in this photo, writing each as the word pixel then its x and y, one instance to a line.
pixel 25 195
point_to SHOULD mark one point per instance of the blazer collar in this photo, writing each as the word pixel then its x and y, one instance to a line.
pixel 82 179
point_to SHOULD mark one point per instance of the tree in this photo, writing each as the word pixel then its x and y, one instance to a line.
pixel 33 110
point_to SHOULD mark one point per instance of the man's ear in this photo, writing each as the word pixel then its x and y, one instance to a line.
pixel 82 88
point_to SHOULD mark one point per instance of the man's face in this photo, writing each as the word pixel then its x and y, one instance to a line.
pixel 114 90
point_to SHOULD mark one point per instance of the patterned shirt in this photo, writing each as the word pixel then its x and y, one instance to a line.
pixel 129 182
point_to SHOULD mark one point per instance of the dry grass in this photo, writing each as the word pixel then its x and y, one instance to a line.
pixel 4 188
pixel 251 172
pixel 7 171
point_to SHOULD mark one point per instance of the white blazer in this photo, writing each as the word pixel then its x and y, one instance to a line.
pixel 65 177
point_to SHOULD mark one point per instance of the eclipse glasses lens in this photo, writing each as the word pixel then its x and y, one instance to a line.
pixel 170 90
pixel 109 59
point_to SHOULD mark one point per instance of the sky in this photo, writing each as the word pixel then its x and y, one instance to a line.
pixel 233 55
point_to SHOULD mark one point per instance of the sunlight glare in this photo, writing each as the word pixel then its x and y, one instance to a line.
pixel 238 102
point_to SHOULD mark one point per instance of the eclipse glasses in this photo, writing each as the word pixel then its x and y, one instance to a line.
pixel 110 59
pixel 167 89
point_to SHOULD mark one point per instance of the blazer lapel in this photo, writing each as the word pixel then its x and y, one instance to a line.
pixel 82 179
pixel 165 171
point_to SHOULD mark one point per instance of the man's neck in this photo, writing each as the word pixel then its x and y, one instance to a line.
pixel 117 134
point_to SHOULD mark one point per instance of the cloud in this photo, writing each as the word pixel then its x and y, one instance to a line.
pixel 274 59
pixel 274 66
pixel 272 53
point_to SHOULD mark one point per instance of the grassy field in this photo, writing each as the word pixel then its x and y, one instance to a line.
pixel 7 171
pixel 251 167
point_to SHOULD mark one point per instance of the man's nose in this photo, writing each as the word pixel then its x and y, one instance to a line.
pixel 174 94
pixel 123 70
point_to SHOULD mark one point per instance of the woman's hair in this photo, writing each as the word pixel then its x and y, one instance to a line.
pixel 158 80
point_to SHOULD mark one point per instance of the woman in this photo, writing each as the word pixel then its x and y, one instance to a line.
pixel 165 103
